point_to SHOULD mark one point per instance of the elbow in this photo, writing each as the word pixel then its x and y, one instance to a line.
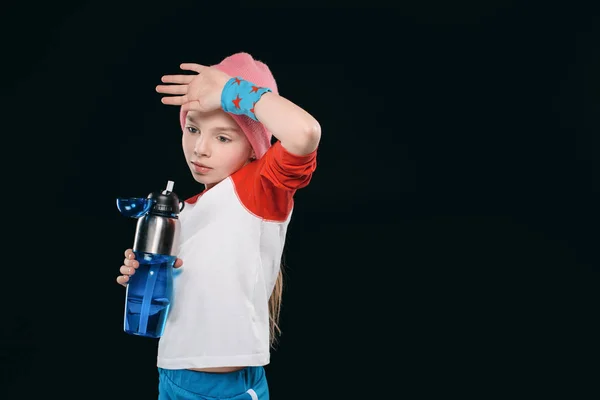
pixel 311 137
pixel 305 141
pixel 313 134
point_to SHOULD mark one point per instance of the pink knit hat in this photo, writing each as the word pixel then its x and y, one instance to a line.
pixel 246 67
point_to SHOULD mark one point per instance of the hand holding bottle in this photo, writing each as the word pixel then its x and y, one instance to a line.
pixel 130 264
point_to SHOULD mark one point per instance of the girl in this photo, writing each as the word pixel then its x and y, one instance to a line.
pixel 223 321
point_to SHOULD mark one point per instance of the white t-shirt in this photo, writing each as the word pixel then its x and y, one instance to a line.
pixel 232 239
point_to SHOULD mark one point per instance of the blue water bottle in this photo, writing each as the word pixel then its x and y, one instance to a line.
pixel 150 290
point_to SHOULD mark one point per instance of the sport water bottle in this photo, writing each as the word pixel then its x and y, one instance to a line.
pixel 150 289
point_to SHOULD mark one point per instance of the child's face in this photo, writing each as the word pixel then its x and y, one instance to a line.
pixel 214 146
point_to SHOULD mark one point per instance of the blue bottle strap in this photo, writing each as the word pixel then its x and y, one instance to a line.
pixel 147 299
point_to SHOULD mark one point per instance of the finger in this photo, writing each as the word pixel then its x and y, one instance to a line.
pixel 172 89
pixel 131 263
pixel 175 100
pixel 181 79
pixel 178 263
pixel 129 254
pixel 192 67
pixel 125 270
pixel 122 280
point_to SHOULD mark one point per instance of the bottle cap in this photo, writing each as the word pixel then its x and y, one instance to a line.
pixel 166 203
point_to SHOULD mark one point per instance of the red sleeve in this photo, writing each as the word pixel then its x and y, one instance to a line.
pixel 266 187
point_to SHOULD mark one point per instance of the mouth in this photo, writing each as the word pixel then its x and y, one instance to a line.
pixel 200 168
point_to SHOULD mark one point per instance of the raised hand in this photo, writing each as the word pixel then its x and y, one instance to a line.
pixel 197 92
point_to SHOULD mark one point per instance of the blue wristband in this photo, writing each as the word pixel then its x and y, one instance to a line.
pixel 239 97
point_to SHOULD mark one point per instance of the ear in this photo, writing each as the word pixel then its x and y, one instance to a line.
pixel 252 156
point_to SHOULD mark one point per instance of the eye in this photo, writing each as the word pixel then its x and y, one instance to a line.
pixel 191 129
pixel 223 139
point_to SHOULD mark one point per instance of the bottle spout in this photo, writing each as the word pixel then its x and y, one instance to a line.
pixel 169 188
pixel 134 207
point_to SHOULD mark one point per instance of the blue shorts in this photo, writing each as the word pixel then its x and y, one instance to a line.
pixel 249 383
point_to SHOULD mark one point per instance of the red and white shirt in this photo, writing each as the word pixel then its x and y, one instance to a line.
pixel 232 240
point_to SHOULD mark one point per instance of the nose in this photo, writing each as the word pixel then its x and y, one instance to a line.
pixel 201 146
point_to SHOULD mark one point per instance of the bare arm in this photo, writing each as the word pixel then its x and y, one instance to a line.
pixel 297 130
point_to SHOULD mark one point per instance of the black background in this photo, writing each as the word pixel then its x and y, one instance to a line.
pixel 448 242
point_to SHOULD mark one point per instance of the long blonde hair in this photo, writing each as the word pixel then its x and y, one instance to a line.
pixel 275 308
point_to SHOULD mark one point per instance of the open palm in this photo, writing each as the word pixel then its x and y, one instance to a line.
pixel 197 92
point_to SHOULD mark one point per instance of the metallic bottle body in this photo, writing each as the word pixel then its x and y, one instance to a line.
pixel 157 234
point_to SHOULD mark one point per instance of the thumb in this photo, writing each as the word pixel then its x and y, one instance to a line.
pixel 178 263
pixel 193 105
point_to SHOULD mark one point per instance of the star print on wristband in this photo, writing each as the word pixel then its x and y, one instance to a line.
pixel 237 101
pixel 240 97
